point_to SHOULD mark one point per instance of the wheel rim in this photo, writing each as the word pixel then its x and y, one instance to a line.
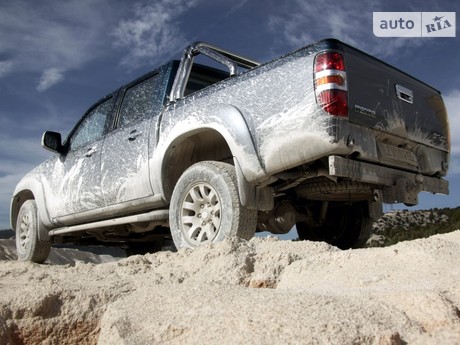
pixel 24 232
pixel 200 214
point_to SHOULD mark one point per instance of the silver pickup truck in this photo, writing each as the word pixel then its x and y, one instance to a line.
pixel 318 138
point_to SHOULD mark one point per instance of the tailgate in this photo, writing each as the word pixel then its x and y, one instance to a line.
pixel 386 99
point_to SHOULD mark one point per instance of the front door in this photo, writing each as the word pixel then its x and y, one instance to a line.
pixel 73 181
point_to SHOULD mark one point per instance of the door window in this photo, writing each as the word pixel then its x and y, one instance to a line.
pixel 93 126
pixel 138 101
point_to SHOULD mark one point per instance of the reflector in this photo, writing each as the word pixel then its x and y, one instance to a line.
pixel 330 79
pixel 334 102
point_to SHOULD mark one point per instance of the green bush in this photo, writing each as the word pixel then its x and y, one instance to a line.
pixel 412 231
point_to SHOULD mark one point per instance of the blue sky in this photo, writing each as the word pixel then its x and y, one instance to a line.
pixel 59 57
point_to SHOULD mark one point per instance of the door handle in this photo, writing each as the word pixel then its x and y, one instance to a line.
pixel 404 94
pixel 90 152
pixel 133 135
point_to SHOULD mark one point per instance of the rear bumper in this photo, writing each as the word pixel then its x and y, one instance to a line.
pixel 396 185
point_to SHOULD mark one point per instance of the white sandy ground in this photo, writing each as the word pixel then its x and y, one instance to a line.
pixel 264 291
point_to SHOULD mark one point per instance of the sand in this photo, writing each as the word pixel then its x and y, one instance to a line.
pixel 263 291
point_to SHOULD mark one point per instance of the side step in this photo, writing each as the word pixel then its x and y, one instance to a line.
pixel 157 215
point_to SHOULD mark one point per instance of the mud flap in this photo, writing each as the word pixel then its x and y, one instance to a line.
pixel 43 233
pixel 251 196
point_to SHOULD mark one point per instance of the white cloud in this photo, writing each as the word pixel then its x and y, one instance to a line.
pixel 7 184
pixel 302 22
pixel 50 77
pixel 452 102
pixel 19 156
pixel 5 68
pixel 153 31
pixel 27 153
pixel 62 35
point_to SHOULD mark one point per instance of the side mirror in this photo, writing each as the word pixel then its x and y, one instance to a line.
pixel 52 141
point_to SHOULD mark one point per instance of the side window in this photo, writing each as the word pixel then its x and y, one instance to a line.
pixel 93 125
pixel 138 101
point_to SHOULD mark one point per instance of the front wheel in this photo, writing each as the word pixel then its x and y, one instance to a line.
pixel 206 208
pixel 28 246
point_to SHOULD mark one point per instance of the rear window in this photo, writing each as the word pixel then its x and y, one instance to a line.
pixel 203 76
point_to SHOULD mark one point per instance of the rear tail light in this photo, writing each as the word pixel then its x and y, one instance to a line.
pixel 331 83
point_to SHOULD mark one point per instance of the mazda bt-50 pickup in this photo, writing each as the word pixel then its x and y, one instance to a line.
pixel 198 152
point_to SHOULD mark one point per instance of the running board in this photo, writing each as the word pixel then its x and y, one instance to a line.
pixel 156 215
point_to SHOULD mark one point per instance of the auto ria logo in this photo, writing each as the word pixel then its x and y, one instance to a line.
pixel 414 24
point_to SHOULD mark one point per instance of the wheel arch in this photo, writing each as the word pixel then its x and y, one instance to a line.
pixel 224 137
pixel 26 192
pixel 17 201
pixel 190 148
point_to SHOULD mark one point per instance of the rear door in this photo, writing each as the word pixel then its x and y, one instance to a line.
pixel 124 167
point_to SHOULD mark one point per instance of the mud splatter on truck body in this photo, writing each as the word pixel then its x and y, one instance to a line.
pixel 317 138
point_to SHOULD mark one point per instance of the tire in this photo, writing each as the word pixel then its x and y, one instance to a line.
pixel 206 208
pixel 28 245
pixel 323 189
pixel 345 227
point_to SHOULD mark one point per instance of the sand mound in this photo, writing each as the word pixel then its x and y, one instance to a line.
pixel 66 256
pixel 263 291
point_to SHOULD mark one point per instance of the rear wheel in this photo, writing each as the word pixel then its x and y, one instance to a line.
pixel 28 245
pixel 205 206
pixel 344 226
